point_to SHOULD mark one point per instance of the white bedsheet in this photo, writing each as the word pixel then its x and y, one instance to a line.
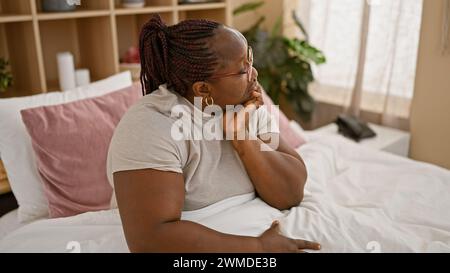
pixel 356 200
pixel 9 222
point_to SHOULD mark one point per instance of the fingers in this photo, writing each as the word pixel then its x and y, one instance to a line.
pixel 250 102
pixel 303 244
pixel 251 106
pixel 258 88
pixel 256 94
pixel 257 97
pixel 275 226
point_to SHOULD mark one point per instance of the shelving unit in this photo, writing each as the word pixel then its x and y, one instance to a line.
pixel 15 11
pixel 97 33
pixel 81 37
pixel 128 27
pixel 18 45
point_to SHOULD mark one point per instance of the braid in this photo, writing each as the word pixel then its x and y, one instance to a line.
pixel 177 55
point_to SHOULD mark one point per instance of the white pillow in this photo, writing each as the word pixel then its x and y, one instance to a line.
pixel 15 144
pixel 298 129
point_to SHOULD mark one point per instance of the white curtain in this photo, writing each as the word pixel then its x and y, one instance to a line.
pixel 389 60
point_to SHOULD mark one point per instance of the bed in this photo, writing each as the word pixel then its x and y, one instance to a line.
pixel 356 200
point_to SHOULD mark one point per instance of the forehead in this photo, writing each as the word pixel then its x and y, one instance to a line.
pixel 230 45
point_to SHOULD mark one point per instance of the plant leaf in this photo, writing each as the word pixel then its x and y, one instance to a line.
pixel 284 66
pixel 276 30
pixel 5 75
pixel 300 25
pixel 253 30
pixel 248 7
pixel 305 51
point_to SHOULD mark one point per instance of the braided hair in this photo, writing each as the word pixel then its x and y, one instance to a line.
pixel 177 55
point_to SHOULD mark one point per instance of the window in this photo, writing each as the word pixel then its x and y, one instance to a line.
pixel 393 31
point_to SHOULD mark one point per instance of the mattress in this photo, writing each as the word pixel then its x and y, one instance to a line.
pixel 356 200
pixel 9 222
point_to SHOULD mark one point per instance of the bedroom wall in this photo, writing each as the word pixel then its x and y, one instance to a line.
pixel 430 116
pixel 271 9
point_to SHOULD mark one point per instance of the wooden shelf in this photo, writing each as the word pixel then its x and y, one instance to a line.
pixel 11 18
pixel 148 3
pixel 216 14
pixel 70 15
pixel 18 45
pixel 97 33
pixel 201 6
pixel 2 171
pixel 123 11
pixel 4 187
pixel 86 5
pixel 84 38
pixel 15 11
pixel 129 26
pixel 15 7
pixel 134 68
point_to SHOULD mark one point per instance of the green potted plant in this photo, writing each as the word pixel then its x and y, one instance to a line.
pixel 5 75
pixel 283 64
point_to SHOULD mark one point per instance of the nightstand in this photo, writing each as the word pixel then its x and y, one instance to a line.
pixel 388 139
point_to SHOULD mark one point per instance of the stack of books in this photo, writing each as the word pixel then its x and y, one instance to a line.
pixel 4 185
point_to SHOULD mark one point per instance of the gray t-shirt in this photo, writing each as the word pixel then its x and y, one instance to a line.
pixel 212 170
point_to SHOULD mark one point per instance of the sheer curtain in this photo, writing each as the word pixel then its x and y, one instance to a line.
pixel 385 65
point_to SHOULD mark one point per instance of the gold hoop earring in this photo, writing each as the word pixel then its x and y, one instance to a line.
pixel 211 101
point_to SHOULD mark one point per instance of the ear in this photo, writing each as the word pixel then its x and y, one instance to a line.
pixel 202 89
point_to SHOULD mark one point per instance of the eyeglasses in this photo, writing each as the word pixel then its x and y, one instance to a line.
pixel 249 71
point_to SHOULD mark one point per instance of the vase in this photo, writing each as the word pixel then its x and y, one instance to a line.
pixel 57 6
pixel 133 3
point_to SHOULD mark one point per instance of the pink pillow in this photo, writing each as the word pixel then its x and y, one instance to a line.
pixel 290 136
pixel 70 142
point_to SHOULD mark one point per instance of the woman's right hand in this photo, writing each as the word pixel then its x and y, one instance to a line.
pixel 236 125
pixel 272 241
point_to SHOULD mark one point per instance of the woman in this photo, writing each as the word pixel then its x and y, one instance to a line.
pixel 155 176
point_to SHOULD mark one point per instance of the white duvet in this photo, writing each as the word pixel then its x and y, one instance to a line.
pixel 356 200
